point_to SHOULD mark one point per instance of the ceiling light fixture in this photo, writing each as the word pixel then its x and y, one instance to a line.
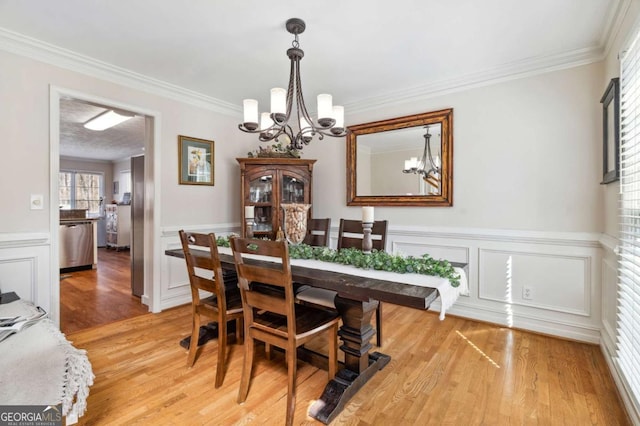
pixel 330 118
pixel 107 119
pixel 427 166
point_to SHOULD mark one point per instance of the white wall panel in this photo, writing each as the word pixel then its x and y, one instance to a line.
pixel 19 274
pixel 558 283
pixel 24 268
pixel 437 251
pixel 558 266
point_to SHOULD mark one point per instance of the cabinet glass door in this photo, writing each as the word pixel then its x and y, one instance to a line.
pixel 292 190
pixel 261 196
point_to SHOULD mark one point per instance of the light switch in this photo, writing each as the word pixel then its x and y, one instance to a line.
pixel 37 202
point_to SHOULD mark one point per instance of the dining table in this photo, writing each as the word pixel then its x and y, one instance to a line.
pixel 358 293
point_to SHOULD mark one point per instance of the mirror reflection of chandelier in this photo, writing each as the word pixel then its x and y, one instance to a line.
pixel 330 118
pixel 428 167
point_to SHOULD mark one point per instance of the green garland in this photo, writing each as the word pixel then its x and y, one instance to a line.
pixel 378 260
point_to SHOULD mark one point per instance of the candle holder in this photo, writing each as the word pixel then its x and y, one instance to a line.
pixel 367 244
pixel 248 227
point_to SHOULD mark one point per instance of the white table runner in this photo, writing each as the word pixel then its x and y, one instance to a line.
pixel 448 294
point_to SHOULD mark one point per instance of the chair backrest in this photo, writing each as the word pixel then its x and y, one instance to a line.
pixel 350 234
pixel 318 232
pixel 210 262
pixel 275 273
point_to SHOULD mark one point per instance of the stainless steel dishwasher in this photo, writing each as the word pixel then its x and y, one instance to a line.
pixel 76 244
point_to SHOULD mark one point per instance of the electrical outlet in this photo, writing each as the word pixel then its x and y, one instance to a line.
pixel 527 293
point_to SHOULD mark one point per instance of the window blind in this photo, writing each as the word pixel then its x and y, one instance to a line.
pixel 628 320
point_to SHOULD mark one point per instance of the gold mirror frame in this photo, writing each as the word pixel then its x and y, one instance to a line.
pixel 445 198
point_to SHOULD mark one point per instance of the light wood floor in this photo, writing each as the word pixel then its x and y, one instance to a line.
pixel 98 296
pixel 454 372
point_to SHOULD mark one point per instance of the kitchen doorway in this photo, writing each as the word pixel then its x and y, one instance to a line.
pixel 103 294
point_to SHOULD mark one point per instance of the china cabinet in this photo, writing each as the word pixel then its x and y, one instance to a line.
pixel 266 183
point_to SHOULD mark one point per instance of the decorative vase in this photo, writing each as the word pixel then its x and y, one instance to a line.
pixel 295 221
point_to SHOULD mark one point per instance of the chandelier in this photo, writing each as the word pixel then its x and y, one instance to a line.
pixel 281 120
pixel 427 166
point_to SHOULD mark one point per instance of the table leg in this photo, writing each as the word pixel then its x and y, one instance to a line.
pixel 356 332
pixel 360 365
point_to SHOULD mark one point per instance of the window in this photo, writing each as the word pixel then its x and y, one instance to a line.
pixel 628 321
pixel 125 182
pixel 80 190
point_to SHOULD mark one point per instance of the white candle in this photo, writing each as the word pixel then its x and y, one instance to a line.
pixel 367 214
pixel 249 212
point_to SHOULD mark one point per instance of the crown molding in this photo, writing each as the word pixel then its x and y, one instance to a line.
pixel 22 45
pixel 36 49
pixel 613 24
pixel 511 71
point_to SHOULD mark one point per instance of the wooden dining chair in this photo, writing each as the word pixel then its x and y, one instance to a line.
pixel 274 318
pixel 225 303
pixel 318 232
pixel 350 235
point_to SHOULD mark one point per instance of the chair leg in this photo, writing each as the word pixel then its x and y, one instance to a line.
pixel 222 352
pixel 292 361
pixel 379 324
pixel 239 330
pixel 246 368
pixel 193 344
pixel 267 351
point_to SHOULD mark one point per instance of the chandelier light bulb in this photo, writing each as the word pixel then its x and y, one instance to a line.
pixel 265 121
pixel 250 113
pixel 325 110
pixel 278 103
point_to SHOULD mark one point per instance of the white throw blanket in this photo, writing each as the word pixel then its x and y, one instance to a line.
pixel 448 293
pixel 39 366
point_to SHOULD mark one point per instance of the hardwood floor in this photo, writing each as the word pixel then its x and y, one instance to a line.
pixel 99 296
pixel 451 372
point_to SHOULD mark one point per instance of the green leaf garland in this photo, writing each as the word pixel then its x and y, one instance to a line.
pixel 378 260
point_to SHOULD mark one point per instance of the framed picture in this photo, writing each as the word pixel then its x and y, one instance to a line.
pixel 611 132
pixel 196 161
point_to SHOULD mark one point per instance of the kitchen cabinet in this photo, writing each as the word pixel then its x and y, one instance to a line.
pixel 118 226
pixel 266 183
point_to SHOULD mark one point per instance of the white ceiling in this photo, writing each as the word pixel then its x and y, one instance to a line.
pixel 364 52
pixel 117 143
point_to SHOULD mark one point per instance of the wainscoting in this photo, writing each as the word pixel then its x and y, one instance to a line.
pixel 24 268
pixel 570 277
pixel 609 279
pixel 559 271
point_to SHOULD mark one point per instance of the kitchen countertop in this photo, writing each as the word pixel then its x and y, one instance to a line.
pixel 79 219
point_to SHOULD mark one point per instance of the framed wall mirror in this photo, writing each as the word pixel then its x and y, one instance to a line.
pixel 611 132
pixel 404 161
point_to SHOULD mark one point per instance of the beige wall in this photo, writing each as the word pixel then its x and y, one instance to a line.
pixel 24 89
pixel 526 157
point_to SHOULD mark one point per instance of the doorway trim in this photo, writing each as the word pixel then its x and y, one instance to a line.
pixel 152 162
